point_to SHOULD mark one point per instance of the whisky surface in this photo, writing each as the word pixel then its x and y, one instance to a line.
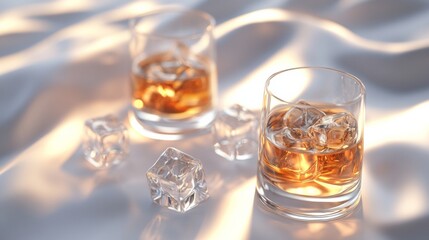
pixel 322 156
pixel 167 85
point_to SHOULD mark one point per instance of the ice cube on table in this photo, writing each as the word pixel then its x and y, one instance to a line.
pixel 235 133
pixel 105 141
pixel 335 131
pixel 177 181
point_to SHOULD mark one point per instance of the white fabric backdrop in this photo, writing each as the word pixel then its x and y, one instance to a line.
pixel 62 62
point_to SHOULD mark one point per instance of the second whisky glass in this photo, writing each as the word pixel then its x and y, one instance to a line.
pixel 173 74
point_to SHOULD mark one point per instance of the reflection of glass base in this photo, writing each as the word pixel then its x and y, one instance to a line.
pixel 156 127
pixel 306 208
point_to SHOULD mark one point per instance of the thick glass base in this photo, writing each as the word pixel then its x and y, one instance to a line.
pixel 306 208
pixel 157 127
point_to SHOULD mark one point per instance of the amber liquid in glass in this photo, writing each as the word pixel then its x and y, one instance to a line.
pixel 164 85
pixel 308 171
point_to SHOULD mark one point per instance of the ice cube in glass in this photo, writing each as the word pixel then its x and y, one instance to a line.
pixel 296 122
pixel 336 131
pixel 177 181
pixel 302 116
pixel 235 133
pixel 105 141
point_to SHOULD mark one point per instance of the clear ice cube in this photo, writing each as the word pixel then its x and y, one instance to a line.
pixel 168 70
pixel 177 181
pixel 302 117
pixel 235 133
pixel 334 131
pixel 173 67
pixel 292 138
pixel 297 121
pixel 105 142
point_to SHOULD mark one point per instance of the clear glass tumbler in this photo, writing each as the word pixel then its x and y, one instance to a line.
pixel 311 143
pixel 173 73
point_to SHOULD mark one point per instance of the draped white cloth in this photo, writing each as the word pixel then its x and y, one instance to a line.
pixel 62 62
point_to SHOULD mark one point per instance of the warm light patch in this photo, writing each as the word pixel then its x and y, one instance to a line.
pixel 388 129
pixel 305 190
pixel 138 103
pixel 412 202
pixel 12 24
pixel 304 165
pixel 165 92
pixel 346 228
pixel 316 227
pixel 235 208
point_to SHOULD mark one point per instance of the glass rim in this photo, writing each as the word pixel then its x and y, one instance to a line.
pixel 173 9
pixel 361 94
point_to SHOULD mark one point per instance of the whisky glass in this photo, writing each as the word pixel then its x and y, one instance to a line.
pixel 173 73
pixel 311 143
